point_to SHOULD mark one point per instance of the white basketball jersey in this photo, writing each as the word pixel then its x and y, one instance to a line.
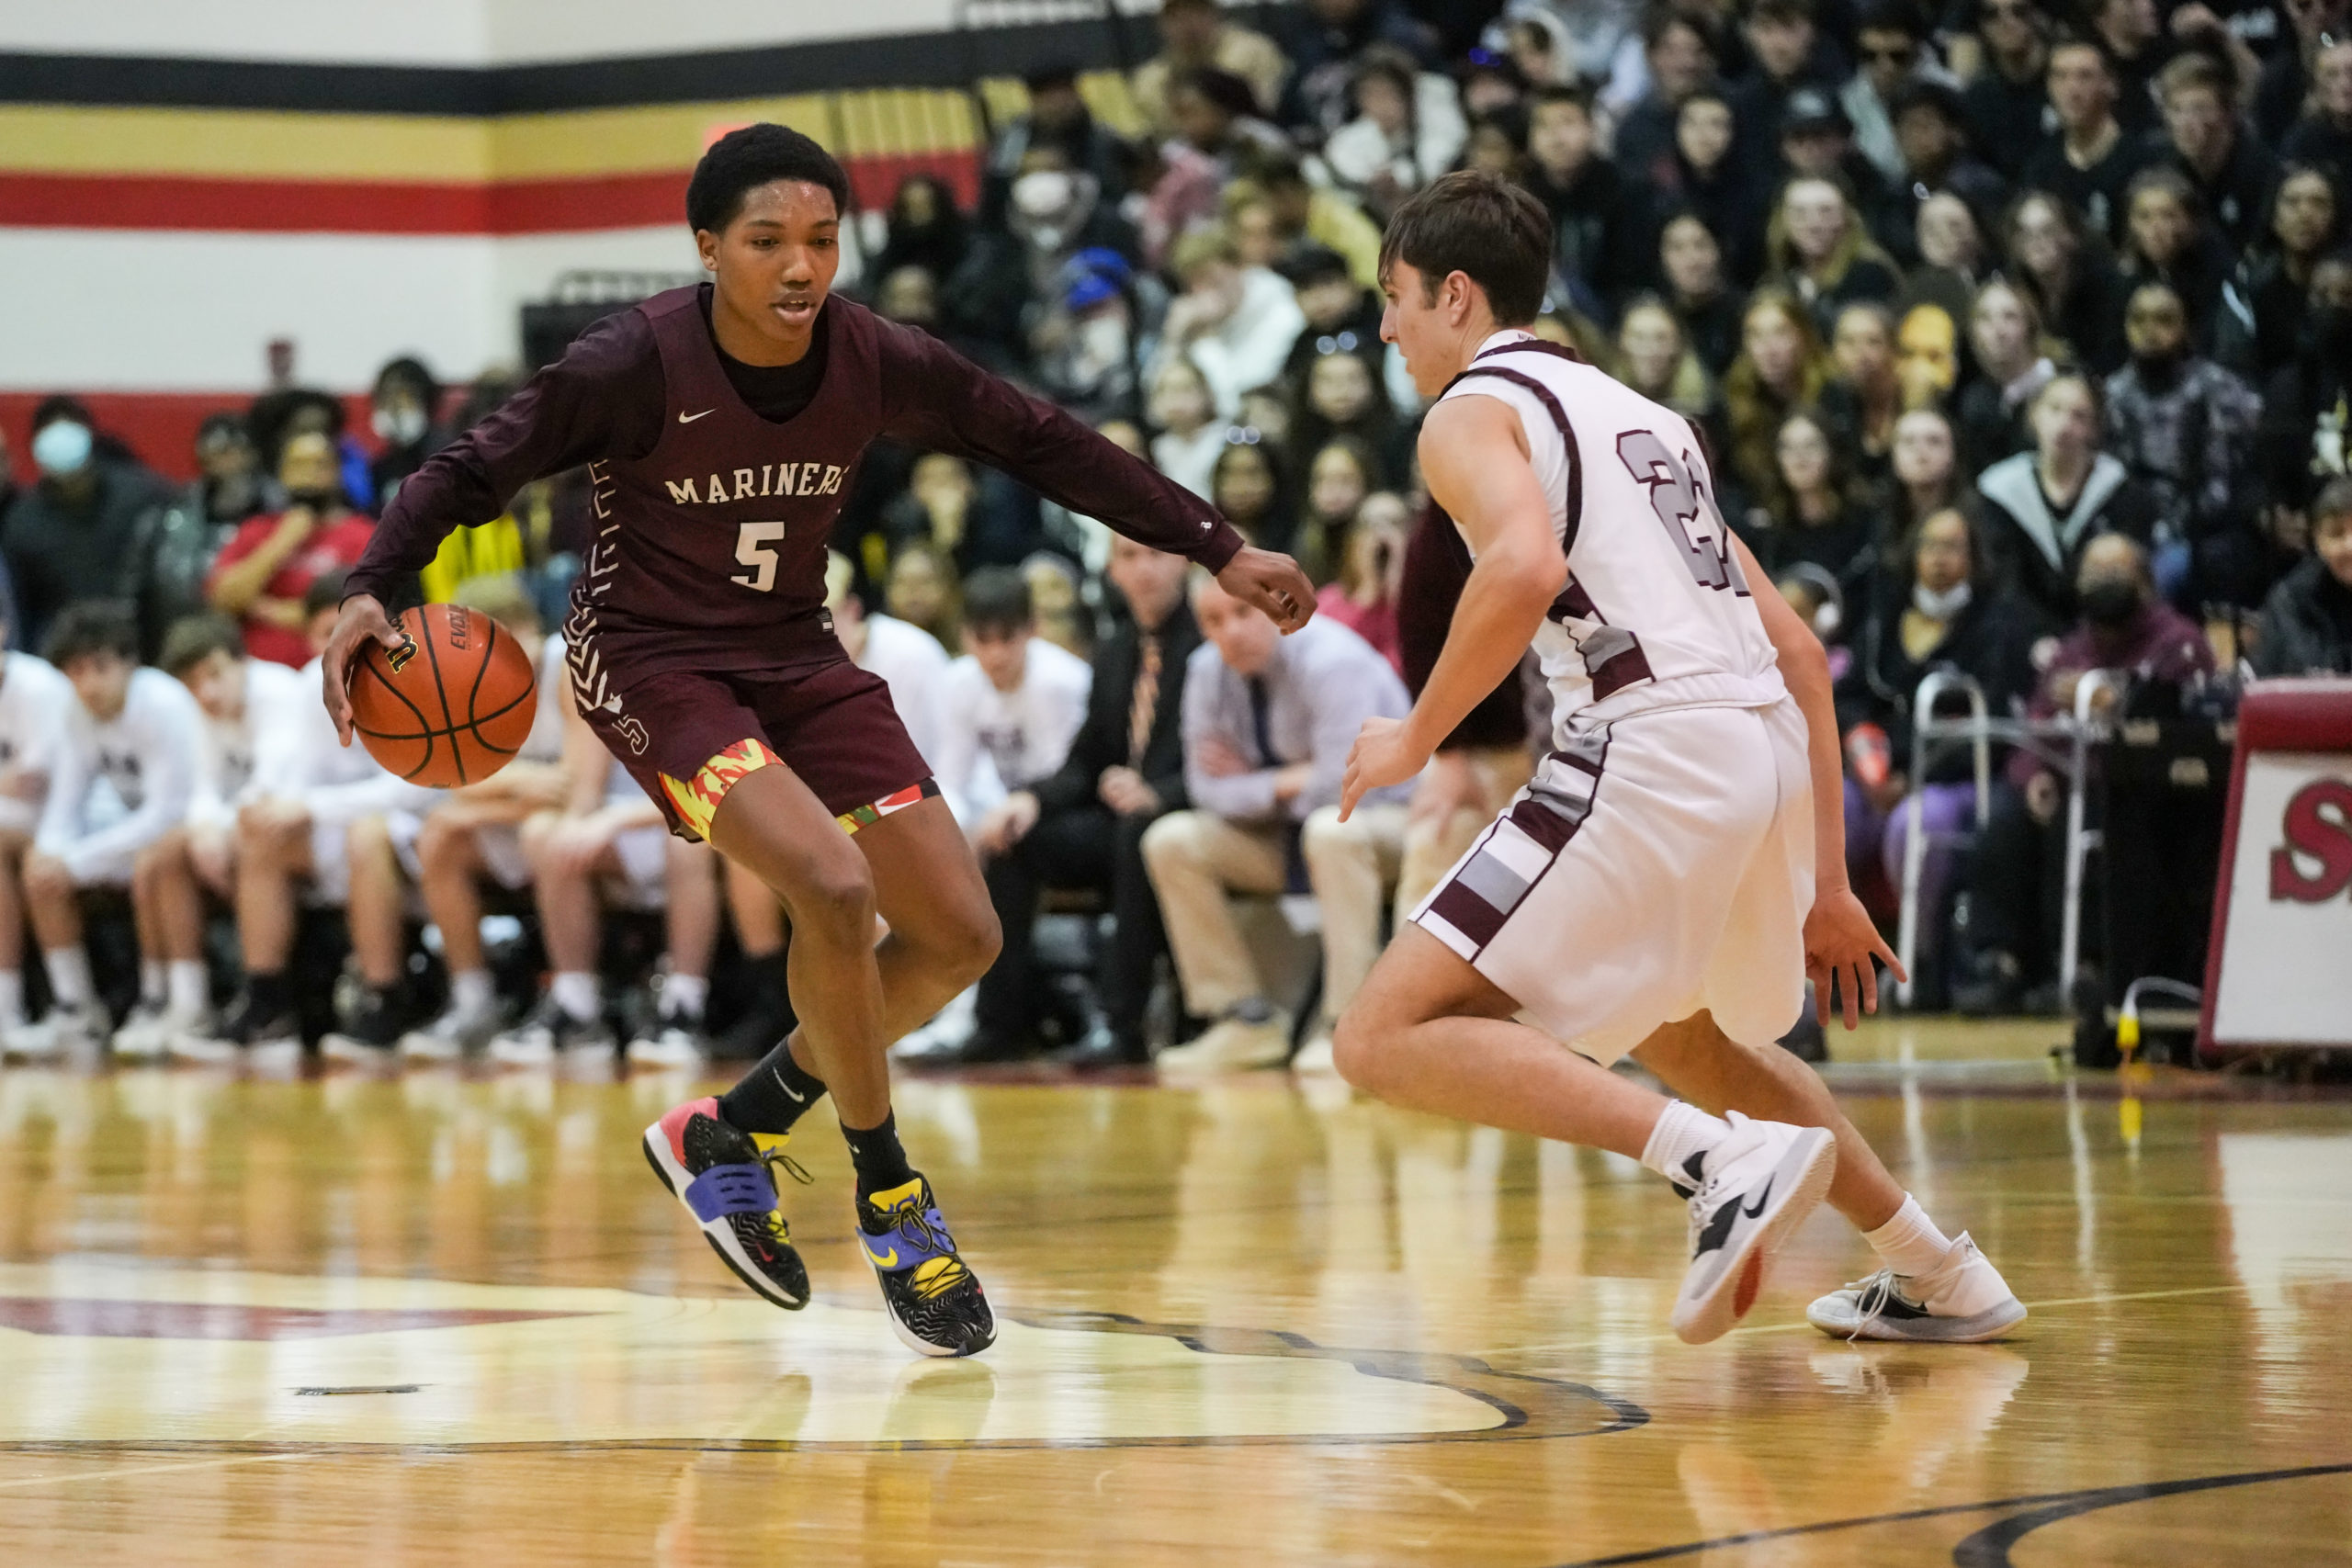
pixel 1656 613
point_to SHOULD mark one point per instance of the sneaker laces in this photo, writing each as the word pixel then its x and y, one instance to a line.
pixel 1871 1297
pixel 911 1222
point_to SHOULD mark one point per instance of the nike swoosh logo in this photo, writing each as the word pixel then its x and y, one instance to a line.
pixel 685 417
pixel 879 1261
pixel 1761 1199
pixel 796 1099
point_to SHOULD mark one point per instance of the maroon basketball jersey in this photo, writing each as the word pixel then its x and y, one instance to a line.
pixel 722 527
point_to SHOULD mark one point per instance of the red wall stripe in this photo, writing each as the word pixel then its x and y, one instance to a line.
pixel 159 426
pixel 387 207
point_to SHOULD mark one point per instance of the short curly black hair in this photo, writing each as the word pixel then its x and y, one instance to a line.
pixel 752 156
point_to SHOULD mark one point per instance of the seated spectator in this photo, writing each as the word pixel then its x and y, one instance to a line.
pixel 2233 173
pixel 1927 355
pixel 1784 51
pixel 2131 38
pixel 1342 317
pixel 1054 214
pixel 1703 175
pixel 1343 397
pixel 34 701
pixel 1195 33
pixel 1863 399
pixel 2283 86
pixel 1084 347
pixel 1936 607
pixel 242 699
pixel 2017 881
pixel 1818 251
pixel 922 590
pixel 2067 272
pixel 1891 45
pixel 2304 223
pixel 2089 160
pixel 1305 214
pixel 1679 45
pixel 2008 100
pixel 1563 41
pixel 405 415
pixel 2324 135
pixel 68 536
pixel 292 850
pixel 1339 475
pixel 983 519
pixel 1930 132
pixel 277 417
pixel 1408 130
pixel 1818 142
pixel 1950 250
pixel 1580 187
pixel 1498 144
pixel 925 229
pixel 1323 39
pixel 1215 114
pixel 2307 619
pixel 1082 825
pixel 1780 369
pixel 2302 443
pixel 1191 436
pixel 136 731
pixel 1057 120
pixel 1268 723
pixel 1692 263
pixel 2048 504
pixel 178 540
pixel 1654 359
pixel 228 484
pixel 2005 332
pixel 1815 513
pixel 2184 428
pixel 2165 240
pixel 1371 557
pixel 1236 323
pixel 1926 473
pixel 263 572
pixel 1249 487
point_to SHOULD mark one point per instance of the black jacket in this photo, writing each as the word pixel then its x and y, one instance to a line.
pixel 1990 641
pixel 2306 625
pixel 1102 740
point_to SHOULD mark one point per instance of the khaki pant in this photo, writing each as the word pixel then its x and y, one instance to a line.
pixel 1196 859
pixel 1431 846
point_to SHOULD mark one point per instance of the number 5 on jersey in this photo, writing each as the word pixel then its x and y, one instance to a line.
pixel 1681 501
pixel 756 548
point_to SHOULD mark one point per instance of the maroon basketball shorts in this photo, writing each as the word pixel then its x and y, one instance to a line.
pixel 687 737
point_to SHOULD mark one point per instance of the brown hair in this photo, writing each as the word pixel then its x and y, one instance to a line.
pixel 1492 232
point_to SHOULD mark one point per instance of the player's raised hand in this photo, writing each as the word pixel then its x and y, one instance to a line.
pixel 1384 754
pixel 1840 942
pixel 1273 582
pixel 363 617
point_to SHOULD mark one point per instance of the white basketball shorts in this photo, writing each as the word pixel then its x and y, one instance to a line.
pixel 1657 866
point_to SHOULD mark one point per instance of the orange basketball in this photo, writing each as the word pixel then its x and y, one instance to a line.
pixel 451 705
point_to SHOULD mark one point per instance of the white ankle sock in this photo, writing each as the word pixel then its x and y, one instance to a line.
pixel 1681 1131
pixel 575 992
pixel 684 994
pixel 12 995
pixel 470 992
pixel 188 985
pixel 150 980
pixel 1909 1243
pixel 69 975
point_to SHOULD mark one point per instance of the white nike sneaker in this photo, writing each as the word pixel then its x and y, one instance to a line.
pixel 1760 1184
pixel 1961 1301
pixel 1235 1045
pixel 142 1035
pixel 65 1030
pixel 457 1031
pixel 675 1040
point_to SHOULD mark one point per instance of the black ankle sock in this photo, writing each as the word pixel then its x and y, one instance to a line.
pixel 267 990
pixel 881 1163
pixel 774 1095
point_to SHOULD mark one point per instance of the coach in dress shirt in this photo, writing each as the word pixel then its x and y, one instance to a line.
pixel 1268 722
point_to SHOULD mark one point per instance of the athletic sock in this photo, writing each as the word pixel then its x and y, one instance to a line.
pixel 186 986
pixel 576 993
pixel 683 996
pixel 69 975
pixel 12 995
pixel 150 980
pixel 265 990
pixel 881 1163
pixel 1682 1132
pixel 470 992
pixel 1909 1243
pixel 774 1095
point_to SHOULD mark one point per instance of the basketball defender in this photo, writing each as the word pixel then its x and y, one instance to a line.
pixel 722 427
pixel 1675 869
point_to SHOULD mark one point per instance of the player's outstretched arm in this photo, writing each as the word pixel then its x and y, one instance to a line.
pixel 1841 940
pixel 1473 455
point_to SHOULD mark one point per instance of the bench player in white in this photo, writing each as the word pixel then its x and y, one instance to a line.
pixel 33 702
pixel 1656 889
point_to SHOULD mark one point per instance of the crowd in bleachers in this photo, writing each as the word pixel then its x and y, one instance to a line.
pixel 2020 333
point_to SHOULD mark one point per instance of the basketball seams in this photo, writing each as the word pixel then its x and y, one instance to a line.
pixel 407 702
pixel 453 728
pixel 440 690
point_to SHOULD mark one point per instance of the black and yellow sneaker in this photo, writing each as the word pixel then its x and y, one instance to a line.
pixel 934 1302
pixel 722 1175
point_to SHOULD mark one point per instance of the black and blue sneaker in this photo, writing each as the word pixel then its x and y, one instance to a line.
pixel 935 1300
pixel 723 1176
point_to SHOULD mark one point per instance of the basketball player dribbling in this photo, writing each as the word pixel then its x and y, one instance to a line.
pixel 1676 869
pixel 722 426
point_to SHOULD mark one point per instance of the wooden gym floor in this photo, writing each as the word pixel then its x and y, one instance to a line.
pixel 445 1318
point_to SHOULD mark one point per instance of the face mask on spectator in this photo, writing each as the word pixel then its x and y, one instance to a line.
pixel 62 448
pixel 402 426
pixel 316 499
pixel 1940 606
pixel 2109 602
pixel 1047 207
